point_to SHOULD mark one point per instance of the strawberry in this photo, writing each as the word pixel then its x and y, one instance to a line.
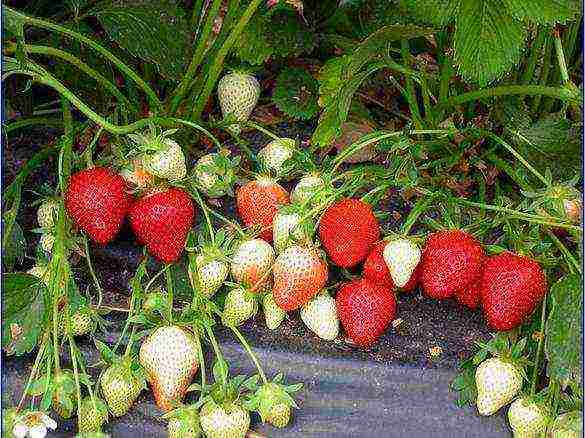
pixel 307 186
pixel 226 420
pixel 206 179
pixel 511 288
pixel 163 157
pixel 497 382
pixel 279 415
pixel 320 316
pixel 135 175
pixel 299 274
pixel 273 404
pixel 63 396
pixel 162 220
pixel 451 261
pixel 402 256
pixel 347 230
pixel 258 202
pixel 212 272
pixel 120 387
pixel 365 309
pixel 81 322
pixel 252 262
pixel 469 296
pixel 273 314
pixel 184 422
pixel 240 305
pixel 46 242
pixel 238 94
pixel 169 358
pixel 93 414
pixel 414 280
pixel 375 268
pixel 527 418
pixel 287 229
pixel 273 156
pixel 47 213
pixel 97 201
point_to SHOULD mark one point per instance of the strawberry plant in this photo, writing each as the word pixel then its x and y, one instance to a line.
pixel 280 162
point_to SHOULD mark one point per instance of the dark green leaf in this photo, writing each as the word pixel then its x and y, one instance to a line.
pixel 156 31
pixel 564 332
pixel 295 93
pixel 24 312
pixel 105 352
pixel 487 40
pixel 252 45
pixel 14 250
pixel 435 12
pixel 289 36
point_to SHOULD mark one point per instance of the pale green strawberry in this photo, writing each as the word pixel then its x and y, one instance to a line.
pixel 567 425
pixel 273 403
pixel 273 314
pixel 93 414
pixel 498 382
pixel 238 94
pixel 279 415
pixel 81 322
pixel 402 256
pixel 47 214
pixel 212 273
pixel 287 229
pixel 120 387
pixel 168 163
pixel 320 316
pixel 206 179
pixel 252 262
pixel 169 356
pixel 307 186
pixel 184 423
pixel 273 156
pixel 527 419
pixel 228 420
pixel 47 241
pixel 240 305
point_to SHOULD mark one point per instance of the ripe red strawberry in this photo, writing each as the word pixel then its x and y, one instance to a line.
pixel 299 274
pixel 511 287
pixel 347 230
pixel 161 221
pixel 469 296
pixel 414 280
pixel 451 261
pixel 97 200
pixel 375 268
pixel 258 202
pixel 365 310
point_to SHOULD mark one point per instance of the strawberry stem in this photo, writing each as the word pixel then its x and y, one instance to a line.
pixel 216 349
pixel 262 130
pixel 92 272
pixel 75 373
pixel 34 369
pixel 539 348
pixel 170 291
pixel 203 206
pixel 250 353
pixel 573 263
pixel 234 225
pixel 201 358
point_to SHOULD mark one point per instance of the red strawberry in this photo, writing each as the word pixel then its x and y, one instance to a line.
pixel 451 261
pixel 375 268
pixel 365 310
pixel 258 202
pixel 414 280
pixel 97 200
pixel 511 287
pixel 469 296
pixel 161 221
pixel 299 273
pixel 347 230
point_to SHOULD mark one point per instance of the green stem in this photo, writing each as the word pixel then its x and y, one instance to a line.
pixel 539 347
pixel 411 94
pixel 202 42
pixel 170 290
pixel 574 265
pixel 92 272
pixel 206 214
pixel 75 373
pixel 510 90
pixel 250 353
pixel 99 78
pixel 561 57
pixel 34 369
pixel 215 346
pixel 535 55
pixel 219 58
pixel 544 73
pixel 53 122
pixel 419 208
pixel 232 224
pixel 263 130
pixel 524 216
pixel 201 358
pixel 519 157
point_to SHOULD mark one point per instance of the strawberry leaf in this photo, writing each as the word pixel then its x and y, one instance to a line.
pixel 295 93
pixel 564 332
pixel 544 11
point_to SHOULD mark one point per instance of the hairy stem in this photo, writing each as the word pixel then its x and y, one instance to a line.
pixel 250 353
pixel 539 347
